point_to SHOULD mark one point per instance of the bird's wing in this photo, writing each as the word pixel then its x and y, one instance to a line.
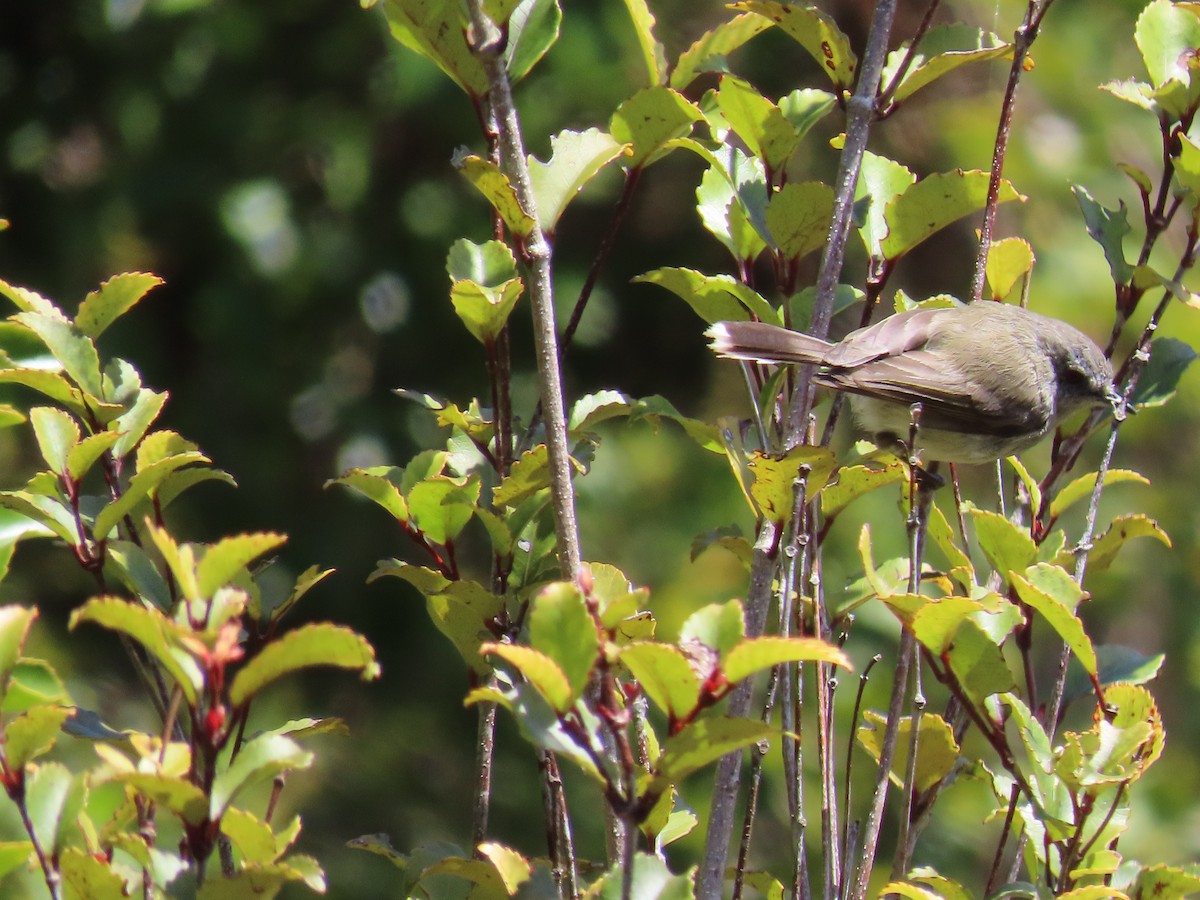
pixel 950 401
pixel 894 335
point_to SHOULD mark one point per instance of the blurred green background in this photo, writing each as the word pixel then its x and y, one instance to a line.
pixel 285 167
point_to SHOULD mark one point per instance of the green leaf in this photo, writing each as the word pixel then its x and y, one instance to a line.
pixel 935 622
pixel 654 57
pixel 159 635
pixel 73 350
pixel 528 475
pixel 84 875
pixel 53 798
pixel 775 479
pixel 1008 547
pixel 942 50
pixel 651 880
pixel 546 675
pixel 1187 165
pixel 575 158
pixel 816 32
pixel 805 107
pixel 33 682
pixel 665 674
pixel 1060 617
pixel 112 300
pixel 1114 665
pixel 490 263
pixel 1082 487
pixel 317 644
pixel 1107 227
pixel 261 759
pixel 32 734
pixel 755 654
pixel 486 177
pixel 252 837
pixel 856 481
pixel 719 626
pixel 50 514
pixel 760 124
pixel 799 216
pixel 715 298
pixel 84 455
pixel 880 180
pixel 1009 260
pixel 223 560
pixel 1122 530
pixel 15 622
pixel 561 627
pixel 937 751
pixel 1167 36
pixel 437 31
pixel 14 855
pixel 141 486
pixel 732 202
pixel 532 30
pixel 375 487
pixel 934 202
pixel 57 434
pixel 710 49
pixel 978 663
pixel 485 310
pixel 30 301
pixel 651 120
pixel 442 508
pixel 1162 880
pixel 705 741
pixel 1169 359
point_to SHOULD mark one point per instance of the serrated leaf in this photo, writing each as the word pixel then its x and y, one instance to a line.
pixel 528 475
pixel 223 560
pixel 112 299
pixel 1107 227
pixel 1082 487
pixel 377 488
pixel 317 644
pixel 978 663
pixel 880 180
pixel 513 868
pixel 84 455
pixel 141 486
pixel 50 514
pixel 486 177
pixel 774 487
pixel 28 300
pixel 942 50
pixel 732 201
pixel 852 482
pixel 252 837
pixel 261 759
pixel 1122 530
pixel 708 52
pixel 485 310
pixel 654 58
pixel 33 682
pixel 816 32
pixel 760 124
pixel 937 751
pixel 442 508
pixel 755 654
pixel 575 159
pixel 650 120
pixel 74 350
pixel 934 202
pixel 15 622
pixel 85 876
pixel 31 734
pixel 491 263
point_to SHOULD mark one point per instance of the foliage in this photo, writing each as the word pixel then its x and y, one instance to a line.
pixel 573 652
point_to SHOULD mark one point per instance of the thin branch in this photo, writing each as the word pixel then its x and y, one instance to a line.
pixel 537 255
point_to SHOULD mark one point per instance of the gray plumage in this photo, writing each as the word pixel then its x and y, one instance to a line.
pixel 992 379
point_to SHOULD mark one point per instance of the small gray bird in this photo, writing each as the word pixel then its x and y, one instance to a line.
pixel 992 379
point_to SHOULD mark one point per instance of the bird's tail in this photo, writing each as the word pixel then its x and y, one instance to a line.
pixel 761 342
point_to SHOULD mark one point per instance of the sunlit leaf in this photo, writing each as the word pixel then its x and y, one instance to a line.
pixel 933 203
pixel 1107 227
pixel 755 654
pixel 113 299
pixel 561 627
pixel 651 120
pixel 816 32
pixel 317 644
pixel 261 759
pixel 575 158
pixel 710 49
pixel 937 751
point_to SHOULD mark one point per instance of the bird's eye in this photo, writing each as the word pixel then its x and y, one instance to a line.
pixel 1075 378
